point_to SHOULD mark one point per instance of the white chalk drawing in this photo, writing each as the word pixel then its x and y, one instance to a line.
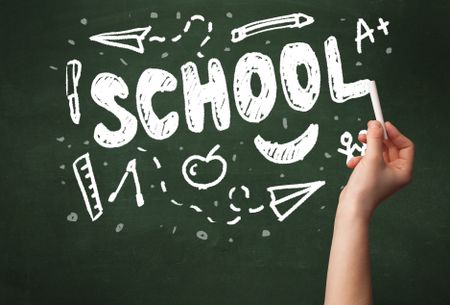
pixel 72 217
pixel 150 82
pixel 350 148
pixel 132 39
pixel 234 208
pixel 339 91
pixel 131 168
pixel 243 188
pixel 265 233
pixel 210 219
pixel 195 208
pixel 84 174
pixel 301 192
pixel 157 163
pixel 297 20
pixel 202 235
pixel 105 87
pixel 256 210
pixel 119 227
pixel 368 31
pixel 253 108
pixel 163 186
pixel 175 202
pixel 73 74
pixel 129 39
pixel 191 164
pixel 187 27
pixel 234 221
pixel 289 152
pixel 196 95
pixel 141 149
pixel 292 56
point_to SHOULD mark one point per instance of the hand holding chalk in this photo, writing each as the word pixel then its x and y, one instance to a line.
pixel 385 168
pixel 376 105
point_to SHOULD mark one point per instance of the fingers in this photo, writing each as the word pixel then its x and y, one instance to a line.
pixel 353 162
pixel 362 138
pixel 405 145
pixel 374 139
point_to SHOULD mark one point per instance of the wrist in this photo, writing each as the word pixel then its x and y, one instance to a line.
pixel 355 209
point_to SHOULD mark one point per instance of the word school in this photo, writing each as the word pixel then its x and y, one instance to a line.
pixel 107 86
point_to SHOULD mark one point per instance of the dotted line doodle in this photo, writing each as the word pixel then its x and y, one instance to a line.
pixel 132 39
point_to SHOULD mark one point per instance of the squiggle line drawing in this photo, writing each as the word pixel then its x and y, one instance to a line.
pixel 196 208
pixel 234 208
pixel 297 20
pixel 157 163
pixel 256 210
pixel 186 28
pixel 302 191
pixel 243 188
pixel 84 174
pixel 131 168
pixel 234 221
pixel 189 171
pixel 346 141
pixel 175 202
pixel 133 39
pixel 289 152
pixel 73 74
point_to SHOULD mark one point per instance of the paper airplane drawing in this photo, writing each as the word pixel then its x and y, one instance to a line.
pixel 301 192
pixel 128 39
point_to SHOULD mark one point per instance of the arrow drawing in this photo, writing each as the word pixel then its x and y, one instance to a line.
pixel 128 39
pixel 301 191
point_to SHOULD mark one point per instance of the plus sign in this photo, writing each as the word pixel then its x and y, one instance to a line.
pixel 383 26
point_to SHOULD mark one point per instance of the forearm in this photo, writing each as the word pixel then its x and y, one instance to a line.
pixel 348 278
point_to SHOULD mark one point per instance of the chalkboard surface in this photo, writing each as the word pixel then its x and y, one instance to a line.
pixel 192 152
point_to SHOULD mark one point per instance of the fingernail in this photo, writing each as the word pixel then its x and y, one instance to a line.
pixel 374 124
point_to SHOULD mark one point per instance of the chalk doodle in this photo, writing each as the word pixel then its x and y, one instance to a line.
pixel 132 39
pixel 73 74
pixel 361 25
pixel 289 152
pixel 150 82
pixel 197 95
pixel 194 163
pixel 301 192
pixel 84 174
pixel 128 39
pixel 131 168
pixel 210 97
pixel 341 92
pixel 297 20
pixel 349 148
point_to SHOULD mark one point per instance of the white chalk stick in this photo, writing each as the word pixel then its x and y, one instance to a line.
pixel 376 105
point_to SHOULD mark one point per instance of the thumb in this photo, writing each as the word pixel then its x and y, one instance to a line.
pixel 374 139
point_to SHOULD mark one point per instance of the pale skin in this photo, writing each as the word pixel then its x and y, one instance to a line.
pixel 386 167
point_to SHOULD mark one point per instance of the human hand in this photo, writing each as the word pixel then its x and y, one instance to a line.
pixel 385 168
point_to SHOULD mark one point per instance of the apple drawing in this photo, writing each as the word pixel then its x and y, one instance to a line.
pixel 196 163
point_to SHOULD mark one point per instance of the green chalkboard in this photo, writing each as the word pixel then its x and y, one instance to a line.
pixel 190 152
